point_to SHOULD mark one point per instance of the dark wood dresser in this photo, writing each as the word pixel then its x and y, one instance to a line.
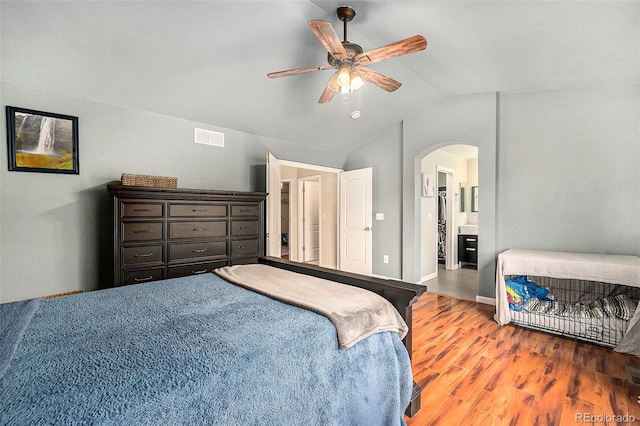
pixel 172 232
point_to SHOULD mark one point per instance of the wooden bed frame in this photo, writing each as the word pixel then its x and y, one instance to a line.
pixel 400 294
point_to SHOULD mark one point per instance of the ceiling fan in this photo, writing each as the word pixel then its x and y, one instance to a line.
pixel 350 59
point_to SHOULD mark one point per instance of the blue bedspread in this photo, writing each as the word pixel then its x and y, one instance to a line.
pixel 195 351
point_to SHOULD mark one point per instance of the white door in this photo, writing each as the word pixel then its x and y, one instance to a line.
pixel 356 206
pixel 311 220
pixel 273 206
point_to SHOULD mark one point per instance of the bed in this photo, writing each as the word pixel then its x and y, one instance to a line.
pixel 201 350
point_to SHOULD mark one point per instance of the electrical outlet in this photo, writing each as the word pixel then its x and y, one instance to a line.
pixel 385 258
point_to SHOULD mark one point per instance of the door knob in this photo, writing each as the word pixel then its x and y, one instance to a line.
pixel 367 229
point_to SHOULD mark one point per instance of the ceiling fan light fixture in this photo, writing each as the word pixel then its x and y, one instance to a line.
pixel 344 77
pixel 332 84
pixel 356 81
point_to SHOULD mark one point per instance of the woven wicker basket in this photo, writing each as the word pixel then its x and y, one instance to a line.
pixel 149 181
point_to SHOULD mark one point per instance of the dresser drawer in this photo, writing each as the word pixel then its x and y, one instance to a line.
pixel 245 210
pixel 132 256
pixel 470 241
pixel 240 228
pixel 142 276
pixel 197 210
pixel 130 210
pixel 180 252
pixel 200 229
pixel 195 269
pixel 471 255
pixel 141 231
pixel 244 247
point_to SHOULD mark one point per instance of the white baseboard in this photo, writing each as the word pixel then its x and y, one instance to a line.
pixel 486 300
pixel 428 277
pixel 384 277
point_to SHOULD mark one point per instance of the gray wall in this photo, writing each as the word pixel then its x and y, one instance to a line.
pixel 569 170
pixel 57 229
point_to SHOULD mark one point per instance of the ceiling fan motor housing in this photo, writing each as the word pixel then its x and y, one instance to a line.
pixel 352 49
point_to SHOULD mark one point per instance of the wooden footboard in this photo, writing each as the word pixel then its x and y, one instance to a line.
pixel 400 294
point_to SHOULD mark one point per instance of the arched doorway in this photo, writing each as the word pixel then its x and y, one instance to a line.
pixel 472 119
pixel 445 212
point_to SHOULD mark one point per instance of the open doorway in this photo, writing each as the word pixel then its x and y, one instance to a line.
pixel 338 247
pixel 446 205
pixel 445 218
pixel 283 172
pixel 285 212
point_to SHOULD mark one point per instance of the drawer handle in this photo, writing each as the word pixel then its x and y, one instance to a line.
pixel 143 231
pixel 204 271
pixel 470 249
pixel 199 250
pixel 143 279
pixel 142 210
pixel 199 210
pixel 199 229
pixel 143 255
pixel 471 240
pixel 247 246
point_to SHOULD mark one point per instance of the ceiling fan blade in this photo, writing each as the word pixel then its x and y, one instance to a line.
pixel 380 80
pixel 327 95
pixel 399 48
pixel 328 37
pixel 295 71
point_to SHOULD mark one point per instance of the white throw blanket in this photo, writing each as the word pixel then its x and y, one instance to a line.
pixel 355 312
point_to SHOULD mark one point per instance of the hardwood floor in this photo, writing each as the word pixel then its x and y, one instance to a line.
pixel 474 372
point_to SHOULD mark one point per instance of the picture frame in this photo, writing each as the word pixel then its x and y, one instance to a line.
pixel 41 141
pixel 428 185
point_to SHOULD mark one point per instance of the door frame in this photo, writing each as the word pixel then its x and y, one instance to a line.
pixel 449 228
pixel 289 215
pixel 273 206
pixel 301 229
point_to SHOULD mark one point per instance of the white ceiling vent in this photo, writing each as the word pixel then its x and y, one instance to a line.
pixel 208 137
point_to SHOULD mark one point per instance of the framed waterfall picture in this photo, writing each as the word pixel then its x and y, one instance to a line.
pixel 42 141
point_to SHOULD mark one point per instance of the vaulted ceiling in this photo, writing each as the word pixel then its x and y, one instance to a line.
pixel 207 61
